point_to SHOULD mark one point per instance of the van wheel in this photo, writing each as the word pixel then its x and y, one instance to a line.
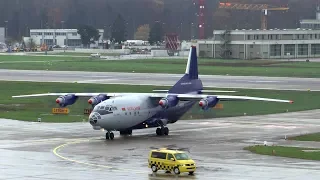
pixel 176 170
pixel 154 168
pixel 191 173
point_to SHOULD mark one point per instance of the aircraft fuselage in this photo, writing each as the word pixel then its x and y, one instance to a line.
pixel 134 112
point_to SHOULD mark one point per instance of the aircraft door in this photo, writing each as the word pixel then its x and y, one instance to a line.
pixel 115 109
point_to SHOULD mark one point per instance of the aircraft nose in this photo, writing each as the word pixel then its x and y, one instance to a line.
pixel 94 117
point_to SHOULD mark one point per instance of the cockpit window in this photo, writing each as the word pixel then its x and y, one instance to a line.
pixel 105 109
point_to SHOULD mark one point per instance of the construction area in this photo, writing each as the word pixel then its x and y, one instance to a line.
pixel 263 42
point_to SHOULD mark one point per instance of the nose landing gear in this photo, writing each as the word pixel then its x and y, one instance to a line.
pixel 110 135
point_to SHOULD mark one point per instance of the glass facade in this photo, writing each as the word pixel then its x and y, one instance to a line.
pixel 302 49
pixel 275 50
pixel 289 49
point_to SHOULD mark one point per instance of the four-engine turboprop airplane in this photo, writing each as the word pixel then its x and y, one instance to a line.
pixel 125 112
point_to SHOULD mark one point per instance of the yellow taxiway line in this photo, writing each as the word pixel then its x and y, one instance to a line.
pixel 60 147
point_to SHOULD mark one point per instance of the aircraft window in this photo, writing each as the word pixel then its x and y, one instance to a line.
pixel 102 107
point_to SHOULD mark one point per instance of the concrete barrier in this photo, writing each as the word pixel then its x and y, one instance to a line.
pixel 184 53
pixel 164 53
pixel 159 53
pixel 104 51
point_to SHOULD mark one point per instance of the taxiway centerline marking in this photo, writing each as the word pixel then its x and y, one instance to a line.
pixel 56 149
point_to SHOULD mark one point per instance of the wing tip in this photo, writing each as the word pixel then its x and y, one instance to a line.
pixel 291 101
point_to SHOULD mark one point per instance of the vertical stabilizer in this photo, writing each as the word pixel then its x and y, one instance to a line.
pixel 189 83
pixel 192 65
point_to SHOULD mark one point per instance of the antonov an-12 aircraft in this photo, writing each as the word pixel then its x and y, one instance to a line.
pixel 125 112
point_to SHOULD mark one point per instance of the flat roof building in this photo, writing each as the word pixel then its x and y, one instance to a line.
pixel 311 23
pixel 61 37
pixel 261 44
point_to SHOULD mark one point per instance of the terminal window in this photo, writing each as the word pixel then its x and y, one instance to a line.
pixel 289 48
pixel 315 49
pixel 275 50
pixel 302 49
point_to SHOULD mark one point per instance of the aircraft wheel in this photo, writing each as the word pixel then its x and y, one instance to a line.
pixel 111 135
pixel 126 132
pixel 158 131
pixel 166 131
pixel 107 135
pixel 162 131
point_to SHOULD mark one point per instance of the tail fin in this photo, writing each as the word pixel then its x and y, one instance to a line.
pixel 189 83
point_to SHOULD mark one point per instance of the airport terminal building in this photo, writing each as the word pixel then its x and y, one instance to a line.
pixel 261 44
pixel 61 37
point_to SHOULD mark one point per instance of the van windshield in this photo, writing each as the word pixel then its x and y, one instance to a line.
pixel 181 156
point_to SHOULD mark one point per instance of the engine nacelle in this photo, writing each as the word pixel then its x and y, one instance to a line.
pixel 97 99
pixel 66 100
pixel 169 101
pixel 209 102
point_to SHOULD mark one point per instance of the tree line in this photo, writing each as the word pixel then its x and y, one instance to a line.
pixel 118 34
pixel 19 16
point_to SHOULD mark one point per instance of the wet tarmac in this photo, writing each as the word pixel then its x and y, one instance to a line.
pixel 32 150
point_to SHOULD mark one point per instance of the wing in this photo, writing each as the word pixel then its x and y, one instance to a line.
pixel 188 97
pixel 203 91
pixel 78 94
pixel 185 97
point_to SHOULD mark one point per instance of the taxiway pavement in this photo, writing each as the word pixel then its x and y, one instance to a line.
pixel 250 82
pixel 32 150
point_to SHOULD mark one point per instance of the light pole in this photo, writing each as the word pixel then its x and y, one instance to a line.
pixel 192 28
pixel 6 29
pixel 62 22
pixel 180 30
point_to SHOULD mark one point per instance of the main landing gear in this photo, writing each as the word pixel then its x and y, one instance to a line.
pixel 109 135
pixel 162 131
pixel 126 132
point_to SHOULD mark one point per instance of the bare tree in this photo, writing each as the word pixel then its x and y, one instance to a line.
pixel 31 44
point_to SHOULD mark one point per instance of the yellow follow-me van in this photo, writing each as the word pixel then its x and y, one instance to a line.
pixel 171 160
